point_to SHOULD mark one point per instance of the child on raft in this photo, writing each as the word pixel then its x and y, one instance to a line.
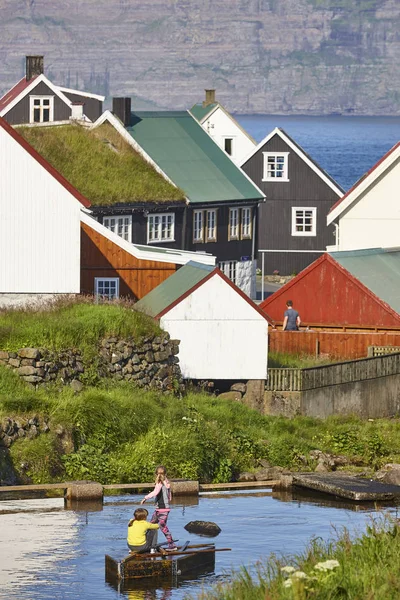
pixel 162 498
pixel 142 535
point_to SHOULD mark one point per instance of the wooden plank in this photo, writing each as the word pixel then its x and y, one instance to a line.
pixel 35 487
pixel 238 485
pixel 128 486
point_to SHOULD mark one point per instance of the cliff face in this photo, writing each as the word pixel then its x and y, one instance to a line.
pixel 262 56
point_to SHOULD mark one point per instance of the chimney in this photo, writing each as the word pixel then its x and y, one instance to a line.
pixel 121 108
pixel 34 66
pixel 77 111
pixel 210 98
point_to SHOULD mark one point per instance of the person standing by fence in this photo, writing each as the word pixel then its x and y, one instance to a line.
pixel 291 320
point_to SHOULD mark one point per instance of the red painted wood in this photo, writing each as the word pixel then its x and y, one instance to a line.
pixel 326 293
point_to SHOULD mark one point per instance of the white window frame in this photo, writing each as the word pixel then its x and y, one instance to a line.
pixel 210 234
pixel 295 210
pixel 32 108
pixel 246 228
pixel 115 229
pixel 285 171
pixel 229 268
pixel 232 138
pixel 99 280
pixel 234 228
pixel 198 226
pixel 159 238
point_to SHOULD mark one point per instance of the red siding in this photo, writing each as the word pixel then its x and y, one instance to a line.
pixel 326 294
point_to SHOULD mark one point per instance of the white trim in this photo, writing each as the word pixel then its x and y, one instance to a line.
pixel 178 257
pixel 32 108
pixel 301 154
pixel 313 231
pixel 295 251
pixel 364 184
pixel 97 280
pixel 27 90
pixel 199 215
pixel 285 170
pixel 234 237
pixel 117 218
pixel 219 106
pixel 160 216
pixel 79 93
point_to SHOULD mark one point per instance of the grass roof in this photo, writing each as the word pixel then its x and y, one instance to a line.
pixel 101 164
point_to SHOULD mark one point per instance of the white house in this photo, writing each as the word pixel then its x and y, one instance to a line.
pixel 223 128
pixel 222 333
pixel 368 215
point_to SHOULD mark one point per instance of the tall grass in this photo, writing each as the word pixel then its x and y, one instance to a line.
pixel 100 164
pixel 296 361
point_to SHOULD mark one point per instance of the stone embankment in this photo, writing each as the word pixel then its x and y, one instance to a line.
pixel 12 429
pixel 153 363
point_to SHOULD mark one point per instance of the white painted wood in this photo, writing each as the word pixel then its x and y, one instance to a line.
pixel 220 125
pixel 372 220
pixel 222 335
pixel 39 226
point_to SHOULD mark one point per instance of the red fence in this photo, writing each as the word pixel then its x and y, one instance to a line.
pixel 336 344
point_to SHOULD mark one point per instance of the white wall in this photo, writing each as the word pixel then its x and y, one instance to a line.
pixel 39 226
pixel 222 336
pixel 219 126
pixel 374 220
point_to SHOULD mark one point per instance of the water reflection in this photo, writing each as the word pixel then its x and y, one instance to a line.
pixel 48 552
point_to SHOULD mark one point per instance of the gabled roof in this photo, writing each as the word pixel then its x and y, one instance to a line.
pixel 152 253
pixel 80 93
pixel 202 113
pixel 302 154
pixel 378 269
pixel 366 181
pixel 14 92
pixel 188 156
pixel 24 144
pixel 180 285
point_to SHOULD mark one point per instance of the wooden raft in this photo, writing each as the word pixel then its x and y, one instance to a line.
pixel 163 565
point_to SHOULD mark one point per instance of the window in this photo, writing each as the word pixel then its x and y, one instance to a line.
pixel 122 226
pixel 228 146
pixel 161 228
pixel 233 233
pixel 41 109
pixel 228 268
pixel 205 226
pixel 246 224
pixel 106 288
pixel 275 166
pixel 304 221
pixel 198 232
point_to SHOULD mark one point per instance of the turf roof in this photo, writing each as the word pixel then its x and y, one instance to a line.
pixel 101 165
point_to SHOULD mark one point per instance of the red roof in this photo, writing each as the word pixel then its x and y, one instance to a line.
pixel 372 169
pixel 22 142
pixel 15 91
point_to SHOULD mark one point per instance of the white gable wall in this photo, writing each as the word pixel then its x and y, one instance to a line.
pixel 222 336
pixel 374 219
pixel 39 226
pixel 219 126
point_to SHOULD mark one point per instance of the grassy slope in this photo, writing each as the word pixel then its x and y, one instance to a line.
pixel 100 164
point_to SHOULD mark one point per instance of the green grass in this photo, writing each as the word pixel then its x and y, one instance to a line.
pixel 364 568
pixel 100 164
pixel 76 324
pixel 296 361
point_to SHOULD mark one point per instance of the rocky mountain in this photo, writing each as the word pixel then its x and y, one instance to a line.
pixel 262 56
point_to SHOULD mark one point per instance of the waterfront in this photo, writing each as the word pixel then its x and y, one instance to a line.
pixel 50 552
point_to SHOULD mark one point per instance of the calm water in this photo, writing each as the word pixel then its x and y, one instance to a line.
pixel 346 147
pixel 47 552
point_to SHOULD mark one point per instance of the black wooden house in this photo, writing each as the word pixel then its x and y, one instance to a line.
pixel 292 228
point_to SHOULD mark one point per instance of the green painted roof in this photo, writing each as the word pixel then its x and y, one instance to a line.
pixel 173 288
pixel 199 111
pixel 190 158
pixel 378 269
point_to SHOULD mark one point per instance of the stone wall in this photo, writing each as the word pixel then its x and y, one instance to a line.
pixel 151 364
pixel 12 429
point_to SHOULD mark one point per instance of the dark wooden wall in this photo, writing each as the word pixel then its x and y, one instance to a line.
pixel 92 108
pixel 304 188
pixel 102 258
pixel 19 114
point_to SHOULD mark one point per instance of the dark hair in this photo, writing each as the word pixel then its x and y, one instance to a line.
pixel 289 303
pixel 140 514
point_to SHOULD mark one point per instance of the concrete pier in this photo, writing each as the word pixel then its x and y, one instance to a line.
pixel 347 486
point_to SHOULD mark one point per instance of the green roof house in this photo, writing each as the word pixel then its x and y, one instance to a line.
pixel 220 214
pixel 223 334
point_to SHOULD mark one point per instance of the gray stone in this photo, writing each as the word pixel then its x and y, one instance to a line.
pixel 76 385
pixel 135 359
pixel 116 357
pixel 26 371
pixel 239 387
pixel 32 378
pixel 32 432
pixel 207 528
pixel 28 362
pixel 246 477
pixel 268 473
pixel 29 353
pixel 321 468
pixel 149 356
pixel 14 362
pixel 6 441
pixel 175 350
pixel 4 355
pixel 21 432
pixel 160 356
pixel 230 396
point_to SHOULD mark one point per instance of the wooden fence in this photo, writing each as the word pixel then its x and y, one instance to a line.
pixel 296 380
pixel 382 350
pixel 335 344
